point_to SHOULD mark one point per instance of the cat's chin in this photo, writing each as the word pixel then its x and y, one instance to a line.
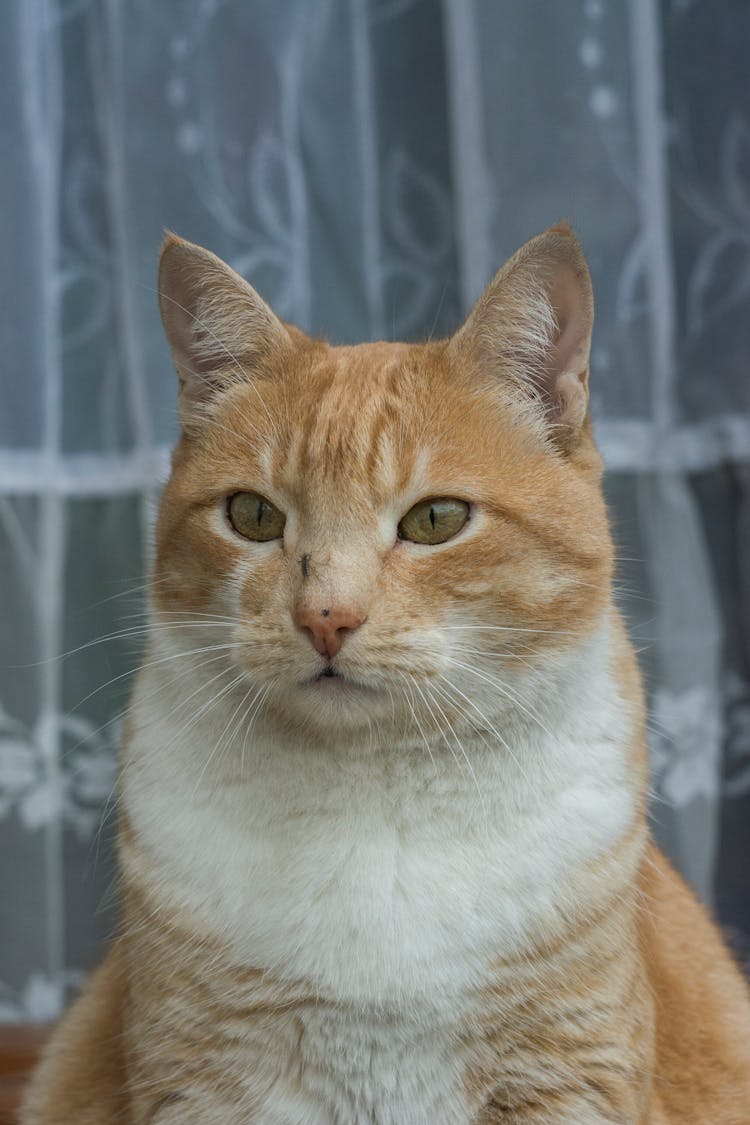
pixel 326 701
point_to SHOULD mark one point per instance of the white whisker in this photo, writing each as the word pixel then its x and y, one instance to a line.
pixel 490 726
pixel 419 727
pixel 505 691
pixel 457 740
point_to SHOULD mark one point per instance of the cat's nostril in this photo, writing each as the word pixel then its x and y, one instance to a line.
pixel 327 628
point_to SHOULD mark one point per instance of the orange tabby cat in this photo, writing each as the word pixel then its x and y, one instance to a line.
pixel 383 843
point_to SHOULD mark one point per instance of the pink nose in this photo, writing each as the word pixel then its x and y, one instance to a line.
pixel 328 628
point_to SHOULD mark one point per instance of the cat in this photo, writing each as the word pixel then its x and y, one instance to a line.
pixel 382 840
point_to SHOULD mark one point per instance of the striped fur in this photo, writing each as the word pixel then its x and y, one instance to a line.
pixel 424 892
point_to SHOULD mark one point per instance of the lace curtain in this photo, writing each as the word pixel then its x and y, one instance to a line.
pixel 368 164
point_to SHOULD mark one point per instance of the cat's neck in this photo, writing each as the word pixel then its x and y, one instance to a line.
pixel 400 842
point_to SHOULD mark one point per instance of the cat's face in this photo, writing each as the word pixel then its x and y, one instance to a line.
pixel 299 518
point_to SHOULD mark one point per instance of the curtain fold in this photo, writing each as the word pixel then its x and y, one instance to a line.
pixel 367 164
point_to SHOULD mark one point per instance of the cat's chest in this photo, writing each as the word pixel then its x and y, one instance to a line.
pixel 328 879
pixel 324 1068
pixel 346 1068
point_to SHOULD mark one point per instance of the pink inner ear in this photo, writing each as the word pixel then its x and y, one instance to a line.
pixel 571 400
pixel 532 326
pixel 569 355
pixel 190 340
pixel 566 369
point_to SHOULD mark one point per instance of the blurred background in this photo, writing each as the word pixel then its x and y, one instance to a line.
pixel 368 165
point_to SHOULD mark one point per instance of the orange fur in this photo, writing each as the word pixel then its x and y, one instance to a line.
pixel 623 1004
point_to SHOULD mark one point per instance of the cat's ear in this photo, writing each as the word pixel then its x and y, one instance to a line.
pixel 219 329
pixel 533 325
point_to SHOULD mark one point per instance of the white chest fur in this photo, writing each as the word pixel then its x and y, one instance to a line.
pixel 388 882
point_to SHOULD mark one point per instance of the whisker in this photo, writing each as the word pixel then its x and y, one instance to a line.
pixel 489 725
pixel 505 691
pixel 458 742
pixel 429 708
pixel 130 592
pixel 147 698
pixel 260 699
pixel 154 663
pixel 209 705
pixel 220 739
pixel 419 727
pixel 462 651
pixel 118 635
pixel 515 629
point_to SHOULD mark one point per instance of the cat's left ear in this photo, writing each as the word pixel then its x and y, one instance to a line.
pixel 533 325
pixel 219 329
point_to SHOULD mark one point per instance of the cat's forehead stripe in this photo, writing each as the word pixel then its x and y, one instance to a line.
pixel 353 420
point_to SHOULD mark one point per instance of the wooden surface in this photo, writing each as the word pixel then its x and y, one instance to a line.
pixel 19 1049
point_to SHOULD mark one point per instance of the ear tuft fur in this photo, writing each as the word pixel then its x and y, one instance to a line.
pixel 532 327
pixel 219 330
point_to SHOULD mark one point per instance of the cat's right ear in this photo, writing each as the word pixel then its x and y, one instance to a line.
pixel 219 330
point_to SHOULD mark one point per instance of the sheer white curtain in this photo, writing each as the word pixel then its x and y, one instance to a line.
pixel 367 164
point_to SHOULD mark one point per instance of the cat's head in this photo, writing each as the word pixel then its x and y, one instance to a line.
pixel 387 528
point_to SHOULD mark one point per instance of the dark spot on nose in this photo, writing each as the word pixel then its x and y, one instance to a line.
pixel 305 564
pixel 326 612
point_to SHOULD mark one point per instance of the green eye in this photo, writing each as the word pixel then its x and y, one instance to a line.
pixel 254 517
pixel 433 521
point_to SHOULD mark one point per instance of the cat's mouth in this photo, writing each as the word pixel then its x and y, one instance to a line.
pixel 330 679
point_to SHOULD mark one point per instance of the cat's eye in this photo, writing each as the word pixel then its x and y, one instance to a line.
pixel 254 517
pixel 434 521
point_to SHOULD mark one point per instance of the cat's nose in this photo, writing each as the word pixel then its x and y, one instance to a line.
pixel 327 628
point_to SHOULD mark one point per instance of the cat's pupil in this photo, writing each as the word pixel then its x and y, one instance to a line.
pixel 432 516
pixel 261 506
